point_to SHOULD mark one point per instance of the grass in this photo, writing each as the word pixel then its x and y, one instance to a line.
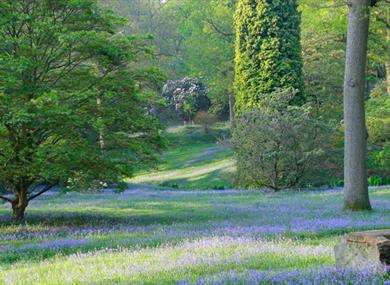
pixel 152 236
pixel 157 235
pixel 193 160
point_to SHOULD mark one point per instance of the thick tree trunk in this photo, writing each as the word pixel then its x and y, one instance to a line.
pixel 355 161
pixel 19 206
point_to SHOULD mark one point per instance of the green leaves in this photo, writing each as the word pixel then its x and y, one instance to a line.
pixel 278 144
pixel 268 50
pixel 73 107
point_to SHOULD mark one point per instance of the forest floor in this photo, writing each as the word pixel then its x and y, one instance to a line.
pixel 147 235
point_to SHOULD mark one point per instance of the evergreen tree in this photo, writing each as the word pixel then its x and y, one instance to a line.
pixel 268 50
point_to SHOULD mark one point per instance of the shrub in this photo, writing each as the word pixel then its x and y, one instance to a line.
pixel 277 143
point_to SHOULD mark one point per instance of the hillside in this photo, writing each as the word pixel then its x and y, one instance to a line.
pixel 193 160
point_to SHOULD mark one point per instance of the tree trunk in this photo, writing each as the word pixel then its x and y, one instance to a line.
pixel 102 141
pixel 19 206
pixel 232 115
pixel 387 64
pixel 356 195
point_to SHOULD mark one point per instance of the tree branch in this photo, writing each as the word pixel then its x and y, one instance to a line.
pixel 44 190
pixel 219 30
pixel 6 199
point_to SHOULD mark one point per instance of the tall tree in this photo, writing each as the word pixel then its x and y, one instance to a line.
pixel 57 60
pixel 355 153
pixel 268 50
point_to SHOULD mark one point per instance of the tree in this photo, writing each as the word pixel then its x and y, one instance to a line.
pixel 355 153
pixel 268 50
pixel 205 119
pixel 58 59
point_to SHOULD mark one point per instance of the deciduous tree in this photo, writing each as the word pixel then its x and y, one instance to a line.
pixel 57 58
pixel 355 153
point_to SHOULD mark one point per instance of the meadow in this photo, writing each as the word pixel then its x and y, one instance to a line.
pixel 151 235
pixel 194 160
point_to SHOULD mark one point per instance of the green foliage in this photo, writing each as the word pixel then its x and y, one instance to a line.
pixel 207 50
pixel 72 112
pixel 378 126
pixel 277 144
pixel 268 50
pixel 323 45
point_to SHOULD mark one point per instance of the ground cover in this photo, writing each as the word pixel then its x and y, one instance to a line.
pixel 154 236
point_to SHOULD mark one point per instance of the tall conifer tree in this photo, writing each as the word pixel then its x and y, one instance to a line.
pixel 268 50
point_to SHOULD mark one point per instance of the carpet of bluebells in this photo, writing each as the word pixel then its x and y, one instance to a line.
pixel 154 236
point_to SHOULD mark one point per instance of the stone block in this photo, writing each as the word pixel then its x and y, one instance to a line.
pixel 364 250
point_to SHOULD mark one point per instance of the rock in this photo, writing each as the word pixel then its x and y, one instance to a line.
pixel 364 250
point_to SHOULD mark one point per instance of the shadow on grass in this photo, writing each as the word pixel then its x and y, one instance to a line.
pixel 102 229
pixel 213 180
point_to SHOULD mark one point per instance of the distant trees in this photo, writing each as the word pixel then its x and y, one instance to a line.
pixel 207 47
pixel 268 50
pixel 72 102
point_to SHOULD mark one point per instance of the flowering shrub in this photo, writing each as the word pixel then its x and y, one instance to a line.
pixel 185 97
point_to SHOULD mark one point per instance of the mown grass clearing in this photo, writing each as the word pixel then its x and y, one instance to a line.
pixel 193 160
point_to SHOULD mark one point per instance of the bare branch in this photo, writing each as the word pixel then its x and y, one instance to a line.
pixel 6 199
pixel 219 29
pixel 44 190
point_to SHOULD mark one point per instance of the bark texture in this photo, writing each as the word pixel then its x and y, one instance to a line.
pixel 355 159
pixel 19 205
pixel 232 115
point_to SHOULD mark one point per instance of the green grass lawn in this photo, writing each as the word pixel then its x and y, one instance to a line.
pixel 146 236
pixel 193 160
